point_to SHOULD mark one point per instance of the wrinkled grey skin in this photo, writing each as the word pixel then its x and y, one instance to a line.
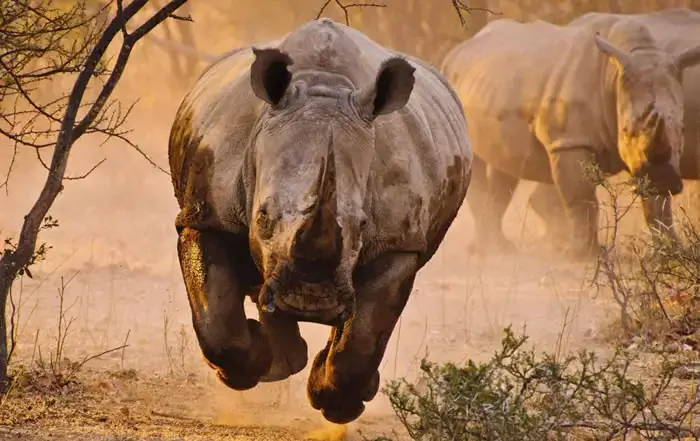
pixel 542 99
pixel 315 174
pixel 675 30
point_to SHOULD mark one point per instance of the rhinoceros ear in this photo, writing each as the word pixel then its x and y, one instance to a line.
pixel 269 74
pixel 390 91
pixel 688 58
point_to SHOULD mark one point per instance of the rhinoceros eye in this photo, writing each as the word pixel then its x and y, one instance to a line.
pixel 264 216
pixel 265 224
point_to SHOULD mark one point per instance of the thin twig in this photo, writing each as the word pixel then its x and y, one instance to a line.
pixel 461 8
pixel 345 8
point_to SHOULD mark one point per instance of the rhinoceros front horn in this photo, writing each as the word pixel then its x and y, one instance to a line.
pixel 622 58
pixel 317 247
pixel 659 146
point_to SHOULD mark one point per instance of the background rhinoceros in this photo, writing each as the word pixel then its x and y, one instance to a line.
pixel 316 174
pixel 542 99
pixel 675 30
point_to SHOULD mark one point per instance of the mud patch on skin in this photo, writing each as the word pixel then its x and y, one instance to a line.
pixel 196 206
pixel 192 263
pixel 182 145
pixel 451 196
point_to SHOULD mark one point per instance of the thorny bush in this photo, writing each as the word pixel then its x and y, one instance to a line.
pixel 517 395
pixel 653 278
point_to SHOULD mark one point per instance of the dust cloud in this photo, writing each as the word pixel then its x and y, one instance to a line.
pixel 117 238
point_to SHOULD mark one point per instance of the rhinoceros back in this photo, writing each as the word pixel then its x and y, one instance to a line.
pixel 528 87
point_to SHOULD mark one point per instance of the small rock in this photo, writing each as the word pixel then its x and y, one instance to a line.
pixel 672 347
pixel 688 372
pixel 638 339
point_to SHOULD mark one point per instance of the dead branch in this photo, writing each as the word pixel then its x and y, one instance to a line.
pixel 185 47
pixel 345 8
pixel 462 8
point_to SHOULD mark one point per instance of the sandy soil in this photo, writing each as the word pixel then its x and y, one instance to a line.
pixel 116 242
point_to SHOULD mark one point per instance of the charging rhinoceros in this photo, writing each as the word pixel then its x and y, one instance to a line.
pixel 315 174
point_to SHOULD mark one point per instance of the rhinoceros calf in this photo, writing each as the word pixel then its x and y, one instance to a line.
pixel 675 30
pixel 315 174
pixel 542 99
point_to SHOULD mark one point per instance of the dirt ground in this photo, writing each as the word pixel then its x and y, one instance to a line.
pixel 116 244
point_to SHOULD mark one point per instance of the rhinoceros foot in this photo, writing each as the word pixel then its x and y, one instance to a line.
pixel 340 398
pixel 584 253
pixel 287 361
pixel 493 245
pixel 241 368
pixel 343 414
pixel 237 382
pixel 551 243
pixel 284 368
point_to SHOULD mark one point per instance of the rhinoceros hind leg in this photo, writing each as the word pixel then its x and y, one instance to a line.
pixel 289 349
pixel 489 195
pixel 215 268
pixel 345 373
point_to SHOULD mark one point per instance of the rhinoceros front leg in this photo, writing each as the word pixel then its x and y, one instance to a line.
pixel 658 215
pixel 289 350
pixel 345 373
pixel 489 195
pixel 546 203
pixel 578 195
pixel 213 270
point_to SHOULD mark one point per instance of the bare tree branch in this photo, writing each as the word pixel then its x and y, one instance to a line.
pixel 71 43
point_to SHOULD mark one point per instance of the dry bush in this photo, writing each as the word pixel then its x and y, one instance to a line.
pixel 519 396
pixel 53 371
pixel 653 279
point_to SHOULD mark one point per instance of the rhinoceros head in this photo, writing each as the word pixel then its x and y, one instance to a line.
pixel 313 152
pixel 649 99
